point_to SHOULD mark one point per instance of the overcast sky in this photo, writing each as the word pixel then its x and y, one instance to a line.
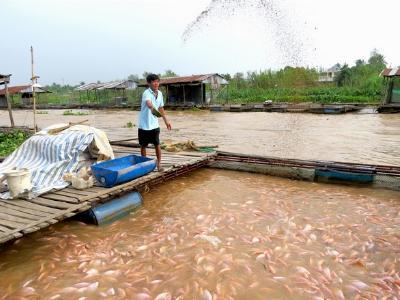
pixel 103 40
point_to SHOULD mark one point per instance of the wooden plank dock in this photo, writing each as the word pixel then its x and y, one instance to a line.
pixel 20 217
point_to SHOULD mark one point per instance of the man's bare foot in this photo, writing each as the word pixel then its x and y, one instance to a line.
pixel 160 168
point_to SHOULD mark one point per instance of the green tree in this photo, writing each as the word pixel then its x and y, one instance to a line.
pixel 145 74
pixel 169 73
pixel 238 80
pixel 377 61
pixel 227 76
pixel 360 62
pixel 297 77
pixel 344 76
pixel 133 77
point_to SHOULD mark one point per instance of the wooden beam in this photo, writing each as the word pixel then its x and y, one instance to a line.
pixel 30 211
pixel 33 93
pixel 32 206
pixel 51 203
pixel 60 197
pixel 184 96
pixel 202 94
pixel 9 105
pixel 390 90
pixel 27 227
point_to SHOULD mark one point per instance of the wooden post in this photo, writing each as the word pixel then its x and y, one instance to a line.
pixel 167 95
pixel 33 93
pixel 389 90
pixel 8 102
pixel 227 94
pixel 202 95
pixel 184 96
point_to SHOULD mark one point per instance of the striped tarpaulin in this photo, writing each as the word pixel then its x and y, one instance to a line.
pixel 49 157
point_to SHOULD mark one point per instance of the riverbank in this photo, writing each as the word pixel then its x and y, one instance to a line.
pixel 306 107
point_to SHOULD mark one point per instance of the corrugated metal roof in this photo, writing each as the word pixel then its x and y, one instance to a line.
pixel 124 84
pixel 334 69
pixel 117 85
pixel 4 78
pixel 20 89
pixel 390 72
pixel 88 87
pixel 184 79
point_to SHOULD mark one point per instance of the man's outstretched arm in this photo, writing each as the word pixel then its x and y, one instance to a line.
pixel 164 116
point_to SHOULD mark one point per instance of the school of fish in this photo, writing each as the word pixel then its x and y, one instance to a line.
pixel 220 235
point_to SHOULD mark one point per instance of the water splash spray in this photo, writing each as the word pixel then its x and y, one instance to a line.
pixel 287 39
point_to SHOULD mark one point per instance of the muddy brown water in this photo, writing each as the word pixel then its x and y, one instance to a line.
pixel 218 234
pixel 363 138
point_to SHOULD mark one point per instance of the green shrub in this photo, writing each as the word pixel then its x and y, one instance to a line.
pixel 75 113
pixel 9 141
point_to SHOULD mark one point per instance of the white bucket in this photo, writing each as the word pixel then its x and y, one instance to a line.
pixel 18 182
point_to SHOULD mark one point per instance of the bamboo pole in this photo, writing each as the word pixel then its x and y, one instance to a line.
pixel 33 93
pixel 8 102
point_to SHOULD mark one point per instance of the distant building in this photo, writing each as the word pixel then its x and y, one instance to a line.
pixel 392 78
pixel 330 74
pixel 4 80
pixel 113 85
pixel 192 90
pixel 24 90
pixel 391 99
pixel 114 90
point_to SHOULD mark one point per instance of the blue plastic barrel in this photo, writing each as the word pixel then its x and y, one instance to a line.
pixel 113 210
pixel 331 174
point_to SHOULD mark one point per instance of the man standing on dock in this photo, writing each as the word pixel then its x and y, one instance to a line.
pixel 152 107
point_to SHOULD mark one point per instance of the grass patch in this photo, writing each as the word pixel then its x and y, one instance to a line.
pixel 130 125
pixel 9 141
pixel 75 113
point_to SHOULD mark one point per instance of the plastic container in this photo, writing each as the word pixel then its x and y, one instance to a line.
pixel 18 182
pixel 116 171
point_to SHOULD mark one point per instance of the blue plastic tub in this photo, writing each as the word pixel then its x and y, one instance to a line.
pixel 123 169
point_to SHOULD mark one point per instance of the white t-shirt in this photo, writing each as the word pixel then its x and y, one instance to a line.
pixel 147 121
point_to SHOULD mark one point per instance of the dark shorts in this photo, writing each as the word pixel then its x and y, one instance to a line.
pixel 147 137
